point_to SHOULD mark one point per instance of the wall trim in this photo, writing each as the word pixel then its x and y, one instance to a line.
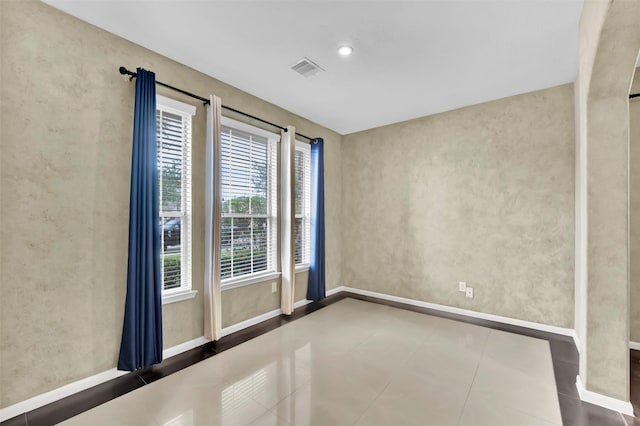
pixel 83 384
pixel 466 312
pixel 257 319
pixel 251 321
pixel 634 345
pixel 595 398
pixel 335 290
pixel 576 340
pixel 183 347
pixel 302 302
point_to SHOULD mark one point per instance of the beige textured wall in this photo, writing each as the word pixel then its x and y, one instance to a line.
pixel 66 125
pixel 484 194
pixel 591 22
pixel 607 177
pixel 634 217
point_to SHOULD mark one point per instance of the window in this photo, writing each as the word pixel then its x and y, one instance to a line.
pixel 249 200
pixel 173 120
pixel 302 226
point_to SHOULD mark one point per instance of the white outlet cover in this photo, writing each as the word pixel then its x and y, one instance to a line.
pixel 469 292
pixel 274 287
pixel 462 286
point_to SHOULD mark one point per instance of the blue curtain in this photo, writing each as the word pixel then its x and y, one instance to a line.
pixel 141 344
pixel 316 287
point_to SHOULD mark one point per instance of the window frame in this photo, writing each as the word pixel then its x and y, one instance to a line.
pixel 305 215
pixel 273 143
pixel 185 291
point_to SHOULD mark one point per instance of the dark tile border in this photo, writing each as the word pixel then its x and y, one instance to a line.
pixel 634 367
pixel 563 353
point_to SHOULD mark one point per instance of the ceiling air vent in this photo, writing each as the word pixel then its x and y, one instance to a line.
pixel 306 67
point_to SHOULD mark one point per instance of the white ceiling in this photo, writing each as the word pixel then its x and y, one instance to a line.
pixel 411 58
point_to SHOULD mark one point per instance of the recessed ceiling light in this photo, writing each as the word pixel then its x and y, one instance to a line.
pixel 345 50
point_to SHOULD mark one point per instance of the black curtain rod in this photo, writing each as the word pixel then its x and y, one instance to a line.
pixel 133 75
pixel 635 95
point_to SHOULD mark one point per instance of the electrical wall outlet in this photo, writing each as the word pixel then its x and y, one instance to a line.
pixel 469 293
pixel 274 287
pixel 462 286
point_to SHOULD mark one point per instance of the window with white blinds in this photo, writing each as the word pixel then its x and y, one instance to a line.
pixel 302 225
pixel 173 121
pixel 249 177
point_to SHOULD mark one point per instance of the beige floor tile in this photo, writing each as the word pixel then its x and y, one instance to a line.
pixel 324 404
pixel 526 354
pixel 274 382
pixel 352 375
pixel 115 412
pixel 413 400
pixel 269 419
pixel 455 336
pixel 510 387
pixel 386 345
pixel 196 404
pixel 442 364
pixel 484 412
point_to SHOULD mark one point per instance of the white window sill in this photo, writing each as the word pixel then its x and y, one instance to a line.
pixel 178 296
pixel 242 281
pixel 303 267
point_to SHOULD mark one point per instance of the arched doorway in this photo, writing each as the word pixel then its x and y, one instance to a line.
pixel 609 45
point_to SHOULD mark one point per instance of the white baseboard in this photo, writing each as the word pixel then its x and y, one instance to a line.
pixel 634 345
pixel 614 404
pixel 576 340
pixel 300 303
pixel 251 321
pixel 183 347
pixel 466 312
pixel 255 320
pixel 335 290
pixel 86 383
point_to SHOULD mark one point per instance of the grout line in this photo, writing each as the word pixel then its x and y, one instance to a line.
pixel 475 373
pixel 536 417
pixel 143 381
pixel 623 419
pixel 372 401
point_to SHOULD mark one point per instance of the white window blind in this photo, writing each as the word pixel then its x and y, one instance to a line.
pixel 302 226
pixel 249 203
pixel 174 176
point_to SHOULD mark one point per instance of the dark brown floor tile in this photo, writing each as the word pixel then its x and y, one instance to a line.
pixel 565 373
pixel 631 421
pixel 176 363
pixel 20 420
pixel 564 351
pixel 580 413
pixel 634 394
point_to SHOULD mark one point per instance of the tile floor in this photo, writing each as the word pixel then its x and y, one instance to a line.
pixel 355 363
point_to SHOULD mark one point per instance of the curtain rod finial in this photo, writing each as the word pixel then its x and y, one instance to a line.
pixel 125 71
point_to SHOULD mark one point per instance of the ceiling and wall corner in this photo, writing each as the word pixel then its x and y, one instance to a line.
pixel 411 59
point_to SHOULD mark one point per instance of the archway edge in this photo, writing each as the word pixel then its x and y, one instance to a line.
pixel 605 122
